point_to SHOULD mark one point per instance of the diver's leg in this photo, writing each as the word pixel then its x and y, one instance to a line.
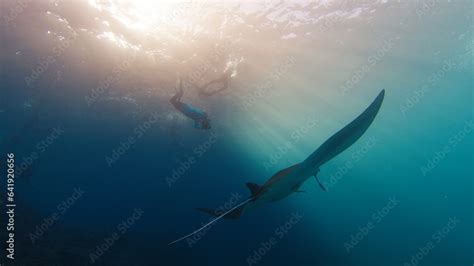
pixel 179 93
pixel 174 100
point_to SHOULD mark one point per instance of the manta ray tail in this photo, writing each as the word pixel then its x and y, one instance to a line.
pixel 213 221
pixel 235 214
pixel 254 188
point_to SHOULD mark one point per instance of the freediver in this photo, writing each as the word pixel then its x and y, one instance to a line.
pixel 201 121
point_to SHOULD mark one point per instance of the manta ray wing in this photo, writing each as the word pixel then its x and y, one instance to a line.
pixel 345 137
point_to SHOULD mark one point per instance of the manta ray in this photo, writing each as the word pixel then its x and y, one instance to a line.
pixel 289 180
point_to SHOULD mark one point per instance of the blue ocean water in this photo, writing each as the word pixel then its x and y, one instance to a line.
pixel 108 172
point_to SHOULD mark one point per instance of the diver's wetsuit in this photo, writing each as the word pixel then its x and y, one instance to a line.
pixel 200 117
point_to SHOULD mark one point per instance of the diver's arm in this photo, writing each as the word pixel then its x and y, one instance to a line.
pixel 223 79
pixel 225 84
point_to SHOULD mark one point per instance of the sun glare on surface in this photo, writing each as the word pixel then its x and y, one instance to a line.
pixel 147 15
